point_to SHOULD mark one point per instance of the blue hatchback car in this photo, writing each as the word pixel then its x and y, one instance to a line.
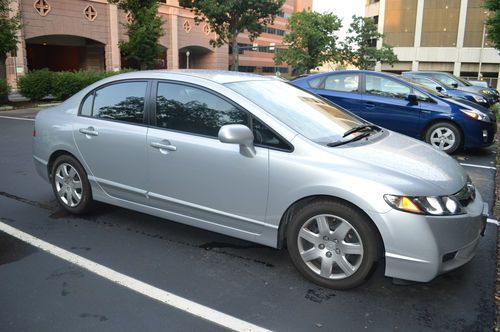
pixel 394 103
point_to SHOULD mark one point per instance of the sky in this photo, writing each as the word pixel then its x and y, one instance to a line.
pixel 344 9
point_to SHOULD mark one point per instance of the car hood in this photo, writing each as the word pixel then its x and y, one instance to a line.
pixel 416 168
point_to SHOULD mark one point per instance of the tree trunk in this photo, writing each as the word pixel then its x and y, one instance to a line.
pixel 3 68
pixel 236 54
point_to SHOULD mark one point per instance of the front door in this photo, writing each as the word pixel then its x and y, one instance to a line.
pixel 195 176
pixel 385 103
pixel 111 136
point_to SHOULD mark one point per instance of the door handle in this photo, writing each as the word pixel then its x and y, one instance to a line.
pixel 90 131
pixel 370 105
pixel 164 145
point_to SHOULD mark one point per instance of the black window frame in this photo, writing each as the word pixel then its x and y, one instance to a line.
pixel 250 116
pixel 147 102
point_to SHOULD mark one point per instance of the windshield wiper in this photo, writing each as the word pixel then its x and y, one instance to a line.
pixel 354 139
pixel 361 128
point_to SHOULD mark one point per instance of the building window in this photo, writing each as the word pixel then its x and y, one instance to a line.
pixel 283 70
pixel 90 13
pixel 247 69
pixel 42 7
pixel 187 26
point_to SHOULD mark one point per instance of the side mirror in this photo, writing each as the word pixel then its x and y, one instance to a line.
pixel 455 85
pixel 238 134
pixel 412 99
pixel 439 88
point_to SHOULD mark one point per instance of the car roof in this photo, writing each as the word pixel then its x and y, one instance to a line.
pixel 217 76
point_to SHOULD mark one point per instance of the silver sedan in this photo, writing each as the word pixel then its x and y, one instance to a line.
pixel 258 159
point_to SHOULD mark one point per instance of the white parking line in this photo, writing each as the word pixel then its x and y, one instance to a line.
pixel 15 118
pixel 493 221
pixel 478 166
pixel 138 286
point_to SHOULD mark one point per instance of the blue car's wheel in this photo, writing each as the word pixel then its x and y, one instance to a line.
pixel 444 136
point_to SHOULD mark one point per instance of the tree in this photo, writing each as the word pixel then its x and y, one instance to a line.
pixel 143 31
pixel 8 34
pixel 493 21
pixel 229 18
pixel 359 47
pixel 311 41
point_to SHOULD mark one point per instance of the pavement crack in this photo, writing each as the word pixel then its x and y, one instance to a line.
pixel 24 200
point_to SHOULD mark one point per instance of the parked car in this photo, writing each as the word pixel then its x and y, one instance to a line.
pixel 433 84
pixel 397 104
pixel 256 158
pixel 491 95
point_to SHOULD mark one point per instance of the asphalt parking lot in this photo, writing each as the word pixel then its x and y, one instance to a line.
pixel 254 284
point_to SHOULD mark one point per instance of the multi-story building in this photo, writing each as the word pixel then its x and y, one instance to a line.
pixel 440 35
pixel 258 56
pixel 84 34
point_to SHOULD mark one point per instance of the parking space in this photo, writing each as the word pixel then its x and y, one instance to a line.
pixel 251 283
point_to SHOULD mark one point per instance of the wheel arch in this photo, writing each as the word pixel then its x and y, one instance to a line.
pixel 285 219
pixel 53 157
pixel 438 120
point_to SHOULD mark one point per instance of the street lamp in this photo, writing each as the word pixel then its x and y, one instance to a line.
pixel 479 74
pixel 187 59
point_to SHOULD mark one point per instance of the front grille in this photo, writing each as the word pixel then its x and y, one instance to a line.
pixel 466 195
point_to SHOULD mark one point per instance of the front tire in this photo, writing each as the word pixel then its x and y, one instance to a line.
pixel 333 244
pixel 444 136
pixel 70 185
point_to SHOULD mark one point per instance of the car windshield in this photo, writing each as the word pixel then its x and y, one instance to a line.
pixel 302 111
pixel 423 87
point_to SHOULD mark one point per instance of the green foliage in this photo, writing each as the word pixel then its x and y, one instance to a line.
pixel 231 17
pixel 311 41
pixel 38 84
pixel 4 91
pixel 8 29
pixel 493 21
pixel 143 32
pixel 356 49
pixel 8 34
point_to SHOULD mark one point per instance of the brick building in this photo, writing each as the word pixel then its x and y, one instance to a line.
pixel 84 34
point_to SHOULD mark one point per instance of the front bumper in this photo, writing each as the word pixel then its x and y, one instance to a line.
pixel 419 247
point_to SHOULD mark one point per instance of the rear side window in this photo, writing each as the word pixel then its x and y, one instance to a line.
pixel 87 105
pixel 315 82
pixel 120 102
pixel 342 82
pixel 189 109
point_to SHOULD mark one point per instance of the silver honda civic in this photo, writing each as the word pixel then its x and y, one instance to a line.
pixel 258 159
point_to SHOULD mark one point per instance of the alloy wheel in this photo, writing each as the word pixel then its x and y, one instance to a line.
pixel 330 246
pixel 68 185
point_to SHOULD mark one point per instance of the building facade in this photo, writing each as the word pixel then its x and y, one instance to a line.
pixel 258 56
pixel 437 35
pixel 84 34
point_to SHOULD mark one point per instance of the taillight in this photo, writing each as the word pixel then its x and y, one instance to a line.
pixel 34 132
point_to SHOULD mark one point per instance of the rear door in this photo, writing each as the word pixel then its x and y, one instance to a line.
pixel 343 90
pixel 110 134
pixel 385 103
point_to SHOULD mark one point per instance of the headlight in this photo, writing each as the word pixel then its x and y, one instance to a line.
pixel 476 115
pixel 479 99
pixel 432 205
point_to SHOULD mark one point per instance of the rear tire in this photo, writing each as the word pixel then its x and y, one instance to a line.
pixel 333 244
pixel 70 185
pixel 444 136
